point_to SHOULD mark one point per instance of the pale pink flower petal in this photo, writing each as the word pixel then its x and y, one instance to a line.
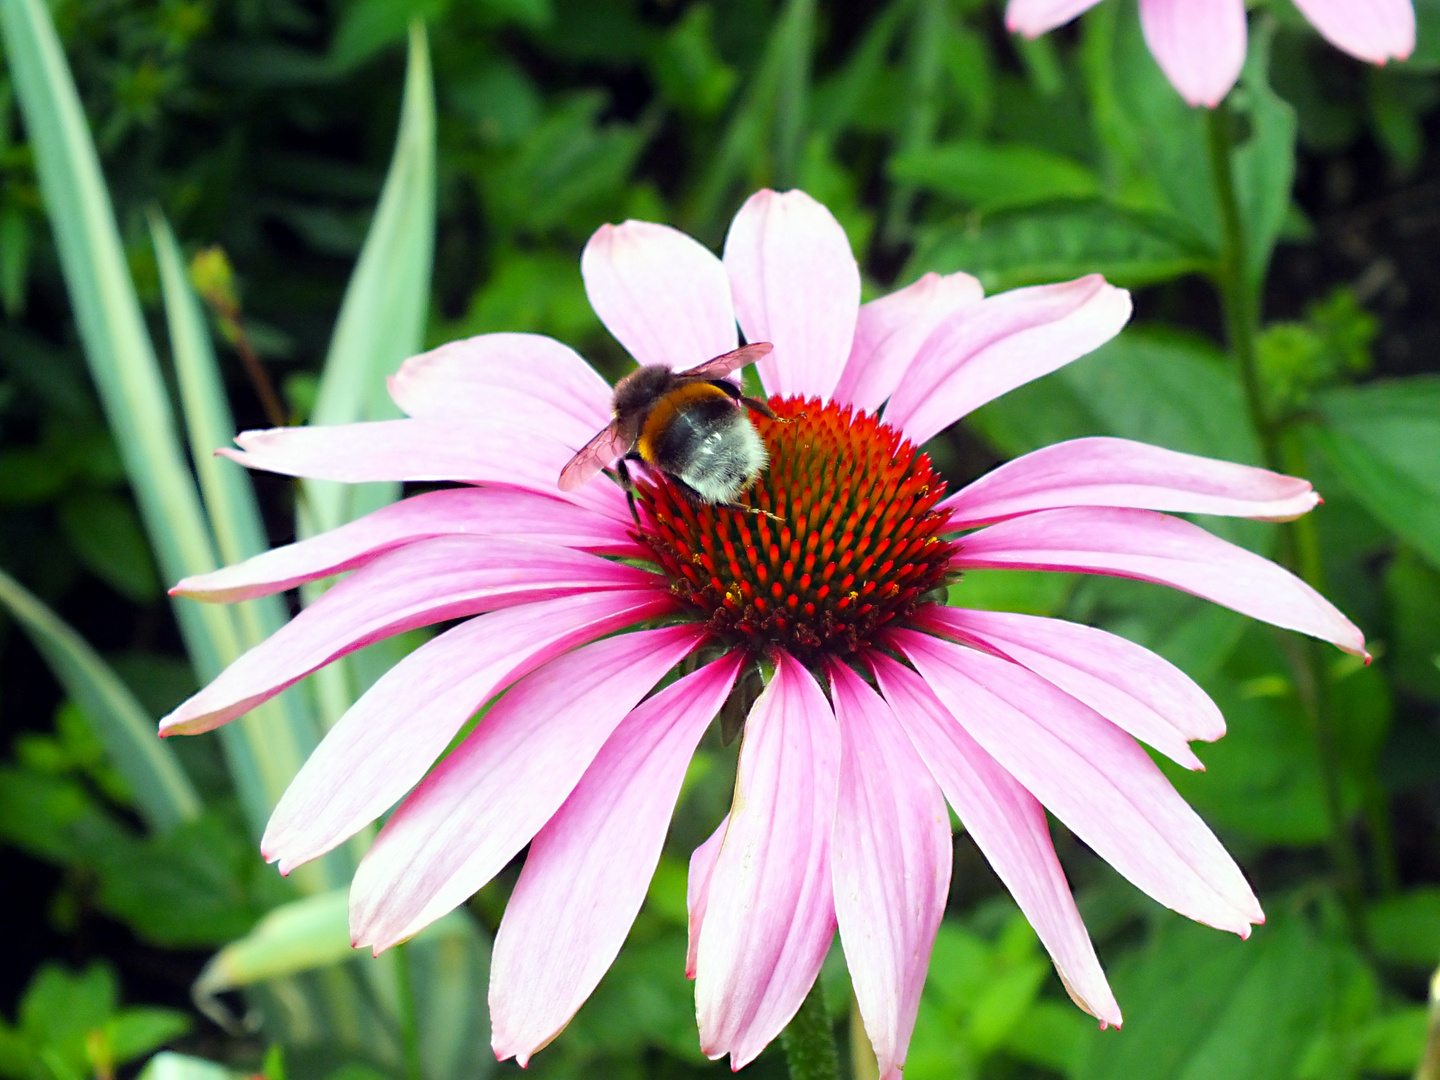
pixel 1103 471
pixel 1153 547
pixel 1127 684
pixel 1008 825
pixel 1092 776
pixel 1034 17
pixel 510 455
pixel 797 286
pixel 890 862
pixel 664 296
pixel 770 912
pixel 1199 44
pixel 386 741
pixel 589 868
pixel 418 585
pixel 501 377
pixel 1373 30
pixel 889 332
pixel 987 349
pixel 473 511
pixel 697 890
pixel 485 801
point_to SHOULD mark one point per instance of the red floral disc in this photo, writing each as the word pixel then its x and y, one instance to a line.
pixel 857 547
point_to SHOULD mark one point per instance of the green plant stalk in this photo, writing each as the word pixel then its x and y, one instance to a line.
pixel 809 1041
pixel 409 1016
pixel 1299 551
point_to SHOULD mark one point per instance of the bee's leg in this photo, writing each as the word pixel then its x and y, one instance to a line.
pixel 756 405
pixel 622 473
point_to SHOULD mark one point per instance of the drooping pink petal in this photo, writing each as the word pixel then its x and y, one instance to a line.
pixel 425 450
pixel 1154 547
pixel 1035 17
pixel 588 869
pixel 890 863
pixel 484 802
pixel 506 378
pixel 987 349
pixel 420 584
pixel 486 511
pixel 1199 44
pixel 770 912
pixel 889 332
pixel 1127 684
pixel 1373 30
pixel 697 890
pixel 796 285
pixel 664 296
pixel 1092 776
pixel 1103 471
pixel 386 741
pixel 1007 824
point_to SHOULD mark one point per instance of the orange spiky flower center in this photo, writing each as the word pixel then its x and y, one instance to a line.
pixel 856 548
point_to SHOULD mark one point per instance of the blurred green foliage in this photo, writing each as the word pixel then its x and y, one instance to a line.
pixel 262 130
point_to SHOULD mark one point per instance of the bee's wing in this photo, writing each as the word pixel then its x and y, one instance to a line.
pixel 595 455
pixel 729 362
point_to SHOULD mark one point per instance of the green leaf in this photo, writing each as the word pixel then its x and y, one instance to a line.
pixel 1384 441
pixel 105 535
pixel 163 794
pixel 264 751
pixel 1412 588
pixel 1058 242
pixel 213 880
pixel 1265 164
pixel 136 1032
pixel 171 1066
pixel 1201 1004
pixel 367 26
pixel 1405 929
pixel 382 319
pixel 994 176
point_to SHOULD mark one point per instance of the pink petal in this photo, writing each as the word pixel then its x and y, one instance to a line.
pixel 1153 547
pixel 890 331
pixel 1092 776
pixel 1007 824
pixel 770 914
pixel 485 801
pixel 890 864
pixel 1373 30
pixel 1199 44
pixel 473 511
pixel 1130 686
pixel 506 378
pixel 1118 472
pixel 796 285
pixel 697 890
pixel 588 869
pixel 987 349
pixel 1034 17
pixel 386 741
pixel 423 583
pixel 425 450
pixel 664 296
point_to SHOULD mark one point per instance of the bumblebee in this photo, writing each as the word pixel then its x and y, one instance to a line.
pixel 690 425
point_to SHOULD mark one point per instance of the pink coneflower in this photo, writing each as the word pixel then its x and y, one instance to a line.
pixel 881 704
pixel 1200 44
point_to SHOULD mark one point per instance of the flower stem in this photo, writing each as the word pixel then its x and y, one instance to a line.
pixel 409 1019
pixel 809 1041
pixel 1299 550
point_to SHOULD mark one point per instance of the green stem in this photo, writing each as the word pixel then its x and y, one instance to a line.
pixel 809 1041
pixel 1299 550
pixel 409 1019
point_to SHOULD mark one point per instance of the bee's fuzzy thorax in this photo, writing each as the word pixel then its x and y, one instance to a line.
pixel 858 546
